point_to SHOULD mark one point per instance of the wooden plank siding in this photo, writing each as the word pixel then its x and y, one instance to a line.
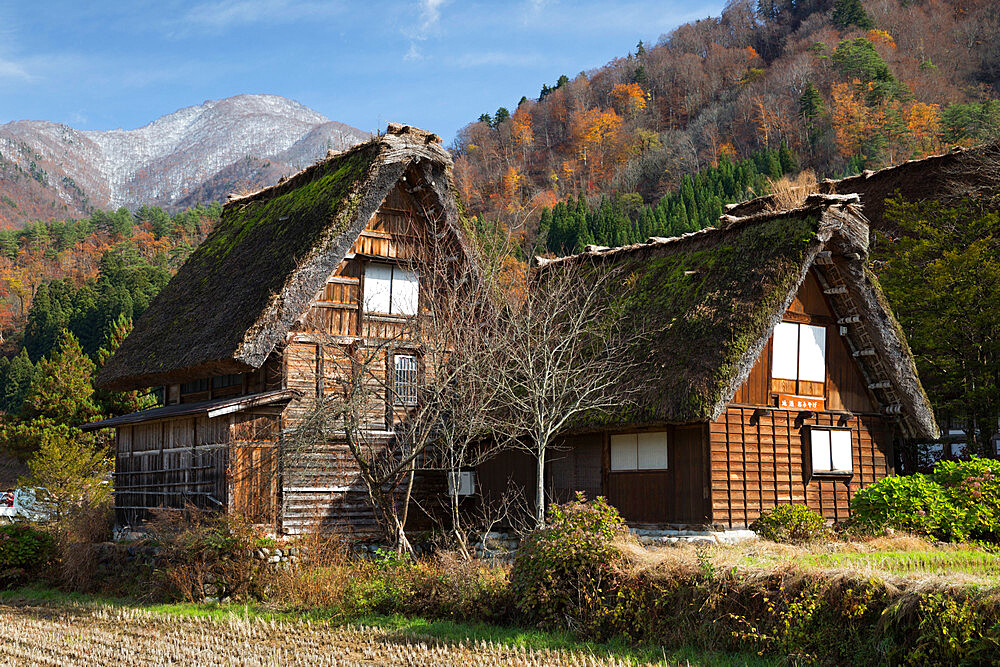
pixel 170 464
pixel 760 459
pixel 758 454
pixel 321 486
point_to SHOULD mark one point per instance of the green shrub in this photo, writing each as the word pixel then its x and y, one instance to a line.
pixel 25 552
pixel 959 500
pixel 915 504
pixel 973 488
pixel 563 573
pixel 791 523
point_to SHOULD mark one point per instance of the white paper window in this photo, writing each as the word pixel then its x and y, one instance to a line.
pixel 639 451
pixel 812 353
pixel 840 450
pixel 652 450
pixel 405 290
pixel 785 351
pixel 391 289
pixel 624 452
pixel 378 287
pixel 798 352
pixel 832 450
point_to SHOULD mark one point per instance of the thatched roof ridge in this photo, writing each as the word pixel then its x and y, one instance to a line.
pixel 234 300
pixel 712 299
pixel 934 177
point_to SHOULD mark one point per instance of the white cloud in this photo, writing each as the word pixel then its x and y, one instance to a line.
pixel 10 69
pixel 227 13
pixel 414 54
pixel 430 15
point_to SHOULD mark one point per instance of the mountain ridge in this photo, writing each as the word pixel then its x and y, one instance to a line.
pixel 193 155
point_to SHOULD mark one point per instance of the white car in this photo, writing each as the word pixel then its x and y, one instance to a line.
pixel 20 504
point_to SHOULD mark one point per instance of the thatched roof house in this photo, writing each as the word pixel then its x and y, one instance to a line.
pixel 775 373
pixel 713 298
pixel 266 316
pixel 243 288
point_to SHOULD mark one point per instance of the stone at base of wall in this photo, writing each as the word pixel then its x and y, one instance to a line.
pixel 664 537
pixel 503 545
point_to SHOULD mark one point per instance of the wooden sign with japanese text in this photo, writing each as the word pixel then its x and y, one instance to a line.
pixel 792 402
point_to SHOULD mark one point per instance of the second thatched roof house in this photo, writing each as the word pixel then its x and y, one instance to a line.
pixel 776 373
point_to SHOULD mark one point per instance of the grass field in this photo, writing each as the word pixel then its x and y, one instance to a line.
pixel 45 627
pixel 901 556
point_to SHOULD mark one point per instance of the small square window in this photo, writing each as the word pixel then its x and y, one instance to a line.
pixel 832 450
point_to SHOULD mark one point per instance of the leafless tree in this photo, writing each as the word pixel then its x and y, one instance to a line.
pixel 557 358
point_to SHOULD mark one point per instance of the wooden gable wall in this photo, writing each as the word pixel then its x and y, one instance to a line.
pixel 759 454
pixel 845 390
pixel 322 487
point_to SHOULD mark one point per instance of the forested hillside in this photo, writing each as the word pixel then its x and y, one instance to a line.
pixel 89 277
pixel 842 85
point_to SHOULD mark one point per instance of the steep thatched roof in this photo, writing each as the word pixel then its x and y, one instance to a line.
pixel 945 176
pixel 238 294
pixel 712 299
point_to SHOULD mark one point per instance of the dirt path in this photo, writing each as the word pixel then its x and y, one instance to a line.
pixel 68 635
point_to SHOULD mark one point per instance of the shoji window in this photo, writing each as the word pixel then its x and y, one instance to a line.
pixel 832 450
pixel 639 451
pixel 799 352
pixel 391 289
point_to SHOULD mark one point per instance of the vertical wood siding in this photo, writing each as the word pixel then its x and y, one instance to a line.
pixel 760 459
pixel 672 496
pixel 170 464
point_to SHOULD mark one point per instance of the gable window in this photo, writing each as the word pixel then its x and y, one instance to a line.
pixel 799 352
pixel 195 386
pixel 639 451
pixel 390 289
pixel 404 379
pixel 223 381
pixel 831 450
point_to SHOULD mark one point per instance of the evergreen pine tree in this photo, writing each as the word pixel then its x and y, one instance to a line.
pixel 810 102
pixel 117 403
pixel 62 389
pixel 786 158
pixel 847 13
pixel 17 381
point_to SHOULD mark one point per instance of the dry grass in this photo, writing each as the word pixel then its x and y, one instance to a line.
pixel 887 557
pixel 791 191
pixel 103 635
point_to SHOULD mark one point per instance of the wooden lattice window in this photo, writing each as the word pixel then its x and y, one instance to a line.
pixel 405 379
pixel 195 386
pixel 223 381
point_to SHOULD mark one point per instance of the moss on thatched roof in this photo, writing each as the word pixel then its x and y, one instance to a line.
pixel 710 301
pixel 241 290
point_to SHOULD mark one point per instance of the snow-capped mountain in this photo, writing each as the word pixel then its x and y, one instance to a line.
pixel 196 154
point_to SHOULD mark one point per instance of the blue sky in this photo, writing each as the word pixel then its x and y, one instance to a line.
pixel 433 63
